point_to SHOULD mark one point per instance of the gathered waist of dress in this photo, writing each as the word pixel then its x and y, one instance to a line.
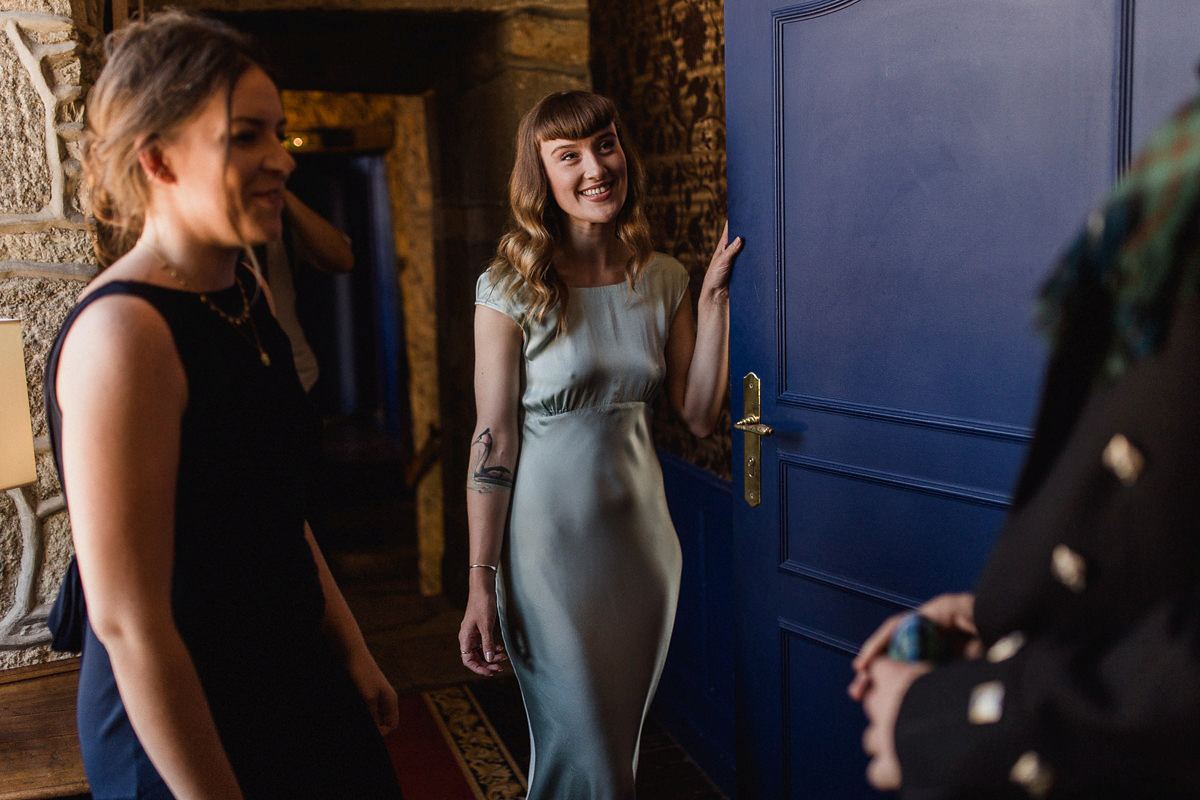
pixel 543 413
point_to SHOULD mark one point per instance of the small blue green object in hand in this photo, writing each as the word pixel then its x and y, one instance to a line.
pixel 917 638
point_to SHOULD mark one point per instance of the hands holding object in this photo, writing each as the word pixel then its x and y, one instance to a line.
pixel 901 650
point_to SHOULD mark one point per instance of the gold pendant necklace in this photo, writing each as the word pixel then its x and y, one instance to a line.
pixel 235 321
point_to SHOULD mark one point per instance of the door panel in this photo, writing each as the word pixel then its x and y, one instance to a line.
pixel 904 173
pixel 817 672
pixel 865 531
pixel 907 132
pixel 1165 55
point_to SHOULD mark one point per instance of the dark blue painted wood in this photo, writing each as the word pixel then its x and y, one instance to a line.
pixel 904 173
pixel 695 696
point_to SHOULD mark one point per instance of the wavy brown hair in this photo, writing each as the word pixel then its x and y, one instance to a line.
pixel 158 74
pixel 523 264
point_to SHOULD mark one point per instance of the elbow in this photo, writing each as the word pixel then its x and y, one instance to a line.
pixel 699 422
pixel 108 628
pixel 123 631
pixel 699 410
pixel 701 426
pixel 343 263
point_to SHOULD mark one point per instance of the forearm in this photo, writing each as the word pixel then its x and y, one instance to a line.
pixel 319 242
pixel 708 373
pixel 339 625
pixel 167 708
pixel 486 515
pixel 943 754
pixel 699 396
pixel 342 632
pixel 489 491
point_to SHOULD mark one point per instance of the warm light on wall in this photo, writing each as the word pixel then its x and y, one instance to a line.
pixel 17 465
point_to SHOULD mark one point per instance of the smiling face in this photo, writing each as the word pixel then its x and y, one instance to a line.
pixel 232 195
pixel 588 177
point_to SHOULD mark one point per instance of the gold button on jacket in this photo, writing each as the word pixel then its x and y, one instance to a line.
pixel 1125 460
pixel 1069 568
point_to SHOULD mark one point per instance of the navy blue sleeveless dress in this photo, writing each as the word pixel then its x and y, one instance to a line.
pixel 245 590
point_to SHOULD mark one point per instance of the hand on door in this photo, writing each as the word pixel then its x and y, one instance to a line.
pixel 720 267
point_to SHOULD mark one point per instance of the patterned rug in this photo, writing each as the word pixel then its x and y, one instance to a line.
pixel 446 748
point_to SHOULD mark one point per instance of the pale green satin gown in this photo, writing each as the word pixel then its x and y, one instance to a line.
pixel 590 571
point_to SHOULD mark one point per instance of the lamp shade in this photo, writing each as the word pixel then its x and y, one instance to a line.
pixel 17 465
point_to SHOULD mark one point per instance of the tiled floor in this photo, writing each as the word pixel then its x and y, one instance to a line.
pixel 368 535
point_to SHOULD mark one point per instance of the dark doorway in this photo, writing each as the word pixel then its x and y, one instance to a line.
pixel 354 321
pixel 354 324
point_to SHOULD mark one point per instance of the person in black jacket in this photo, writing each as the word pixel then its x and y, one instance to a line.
pixel 1080 673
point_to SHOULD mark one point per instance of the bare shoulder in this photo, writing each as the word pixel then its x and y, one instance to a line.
pixel 118 347
pixel 119 323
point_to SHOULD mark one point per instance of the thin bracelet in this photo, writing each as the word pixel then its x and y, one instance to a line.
pixel 492 567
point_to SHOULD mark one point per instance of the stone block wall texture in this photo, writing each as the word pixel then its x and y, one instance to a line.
pixel 663 63
pixel 46 58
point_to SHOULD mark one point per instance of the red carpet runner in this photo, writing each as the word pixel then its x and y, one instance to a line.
pixel 446 749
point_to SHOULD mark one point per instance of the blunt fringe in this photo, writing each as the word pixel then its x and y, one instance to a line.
pixel 522 266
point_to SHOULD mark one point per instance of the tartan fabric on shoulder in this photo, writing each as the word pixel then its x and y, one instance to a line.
pixel 1139 249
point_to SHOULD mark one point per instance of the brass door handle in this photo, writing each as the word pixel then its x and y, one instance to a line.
pixel 754 429
pixel 751 424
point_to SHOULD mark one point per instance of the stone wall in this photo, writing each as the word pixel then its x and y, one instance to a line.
pixel 663 62
pixel 46 60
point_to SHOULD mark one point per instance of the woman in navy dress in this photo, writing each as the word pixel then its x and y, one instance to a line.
pixel 219 658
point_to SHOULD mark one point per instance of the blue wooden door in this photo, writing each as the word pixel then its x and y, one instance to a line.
pixel 904 173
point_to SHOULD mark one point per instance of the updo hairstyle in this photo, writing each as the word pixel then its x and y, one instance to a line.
pixel 158 74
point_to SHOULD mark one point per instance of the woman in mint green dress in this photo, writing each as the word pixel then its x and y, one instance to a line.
pixel 578 325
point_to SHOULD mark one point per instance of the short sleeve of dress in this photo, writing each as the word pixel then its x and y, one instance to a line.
pixel 672 279
pixel 492 295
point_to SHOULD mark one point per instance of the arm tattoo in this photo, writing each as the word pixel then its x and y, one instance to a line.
pixel 487 478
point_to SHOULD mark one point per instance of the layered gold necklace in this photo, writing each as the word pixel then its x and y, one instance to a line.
pixel 237 321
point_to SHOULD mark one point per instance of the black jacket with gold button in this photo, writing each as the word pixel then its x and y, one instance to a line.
pixel 1089 606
